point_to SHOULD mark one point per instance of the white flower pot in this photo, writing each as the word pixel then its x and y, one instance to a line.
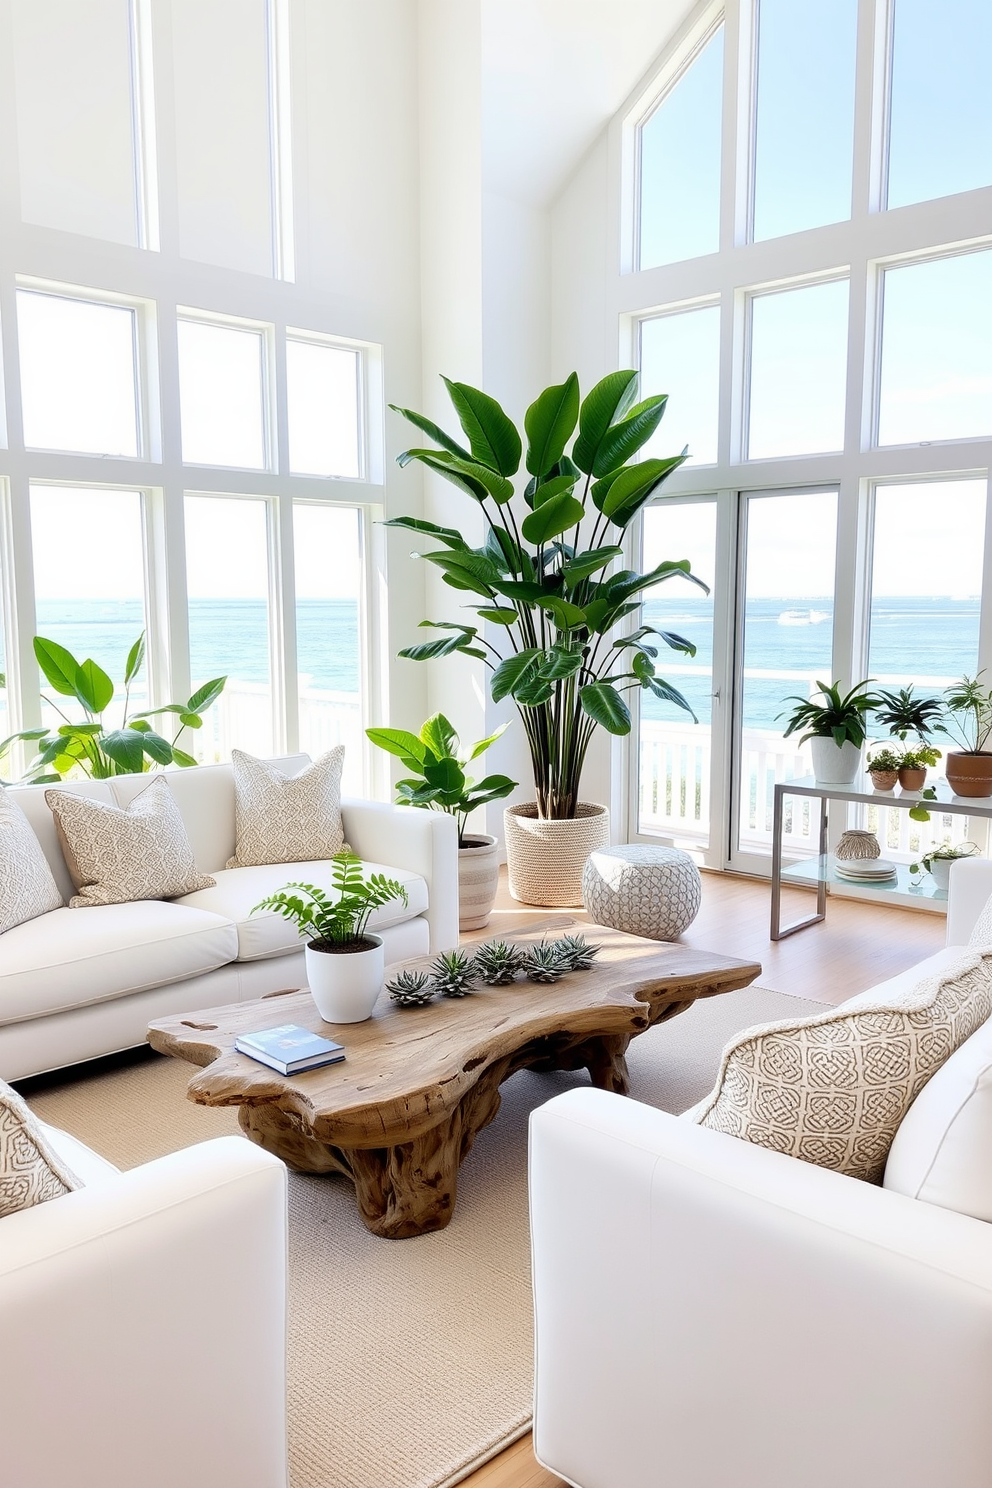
pixel 940 871
pixel 835 764
pixel 478 877
pixel 345 985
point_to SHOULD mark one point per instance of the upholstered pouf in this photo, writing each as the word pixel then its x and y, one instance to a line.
pixel 653 891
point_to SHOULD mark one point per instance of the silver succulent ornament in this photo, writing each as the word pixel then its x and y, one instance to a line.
pixel 543 964
pixel 410 989
pixel 575 953
pixel 497 963
pixel 452 974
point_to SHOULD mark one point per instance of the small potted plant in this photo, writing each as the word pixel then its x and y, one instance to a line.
pixel 438 783
pixel 906 715
pixel 836 729
pixel 967 722
pixel 939 861
pixel 883 767
pixel 345 964
pixel 913 766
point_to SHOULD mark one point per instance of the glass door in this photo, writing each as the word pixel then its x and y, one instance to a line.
pixel 785 615
pixel 674 756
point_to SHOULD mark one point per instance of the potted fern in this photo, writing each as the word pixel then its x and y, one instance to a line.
pixel 546 583
pixel 345 963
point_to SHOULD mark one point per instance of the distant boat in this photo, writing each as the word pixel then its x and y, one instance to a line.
pixel 803 617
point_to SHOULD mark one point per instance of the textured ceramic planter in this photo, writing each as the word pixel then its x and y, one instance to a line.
pixel 345 985
pixel 912 780
pixel 969 774
pixel 478 876
pixel 835 764
pixel 545 858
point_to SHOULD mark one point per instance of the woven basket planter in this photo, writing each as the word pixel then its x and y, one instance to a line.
pixel 545 858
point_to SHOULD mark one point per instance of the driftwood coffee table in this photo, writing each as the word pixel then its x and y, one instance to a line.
pixel 419 1084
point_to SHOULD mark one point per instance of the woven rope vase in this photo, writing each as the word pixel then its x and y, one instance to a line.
pixel 545 858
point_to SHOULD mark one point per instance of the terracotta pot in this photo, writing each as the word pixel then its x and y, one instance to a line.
pixel 913 780
pixel 883 779
pixel 969 774
pixel 478 877
pixel 545 858
pixel 835 764
pixel 345 985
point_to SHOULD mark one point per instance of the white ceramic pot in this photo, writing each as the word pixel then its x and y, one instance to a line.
pixel 835 764
pixel 940 871
pixel 545 857
pixel 478 877
pixel 345 985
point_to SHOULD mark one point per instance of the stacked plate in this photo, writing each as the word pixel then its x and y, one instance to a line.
pixel 865 870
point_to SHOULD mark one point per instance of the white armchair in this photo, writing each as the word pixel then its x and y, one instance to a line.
pixel 709 1312
pixel 143 1321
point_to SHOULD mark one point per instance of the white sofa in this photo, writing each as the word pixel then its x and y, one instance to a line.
pixel 77 983
pixel 709 1312
pixel 143 1321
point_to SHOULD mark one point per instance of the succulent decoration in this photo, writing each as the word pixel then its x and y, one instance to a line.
pixel 452 974
pixel 497 963
pixel 411 989
pixel 575 952
pixel 543 962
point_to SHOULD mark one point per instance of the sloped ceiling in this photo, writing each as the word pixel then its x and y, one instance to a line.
pixel 554 73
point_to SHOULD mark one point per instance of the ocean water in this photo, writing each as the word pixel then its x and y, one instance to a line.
pixel 913 636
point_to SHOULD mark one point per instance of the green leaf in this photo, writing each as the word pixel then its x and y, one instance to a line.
pixel 493 788
pixel 499 616
pixel 464 565
pixel 439 736
pixel 205 695
pixel 557 486
pixel 624 585
pixel 533 689
pixel 552 518
pixel 125 747
pixel 523 591
pixel 460 639
pixel 624 439
pixel 508 674
pixel 141 725
pixel 93 687
pixel 135 657
pixel 484 744
pixel 668 694
pixel 584 564
pixel 606 707
pixel 567 616
pixel 608 401
pixel 404 745
pixel 435 460
pixel 60 667
pixel 446 775
pixel 157 748
pixel 180 757
pixel 559 663
pixel 432 430
pixel 504 551
pixel 629 489
pixel 491 435
pixel 446 535
pixel 549 422
pixel 190 720
pixel 494 484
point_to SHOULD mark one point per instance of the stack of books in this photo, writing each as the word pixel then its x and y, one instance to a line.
pixel 289 1049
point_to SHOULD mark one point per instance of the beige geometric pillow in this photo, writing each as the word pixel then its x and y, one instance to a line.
pixel 31 1172
pixel 832 1089
pixel 27 888
pixel 116 855
pixel 286 818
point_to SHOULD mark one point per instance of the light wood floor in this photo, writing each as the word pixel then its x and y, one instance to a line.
pixel 856 946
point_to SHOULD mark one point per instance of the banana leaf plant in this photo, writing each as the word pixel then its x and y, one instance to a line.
pixel 92 747
pixel 546 574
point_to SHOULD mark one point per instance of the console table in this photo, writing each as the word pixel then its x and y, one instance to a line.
pixel 819 871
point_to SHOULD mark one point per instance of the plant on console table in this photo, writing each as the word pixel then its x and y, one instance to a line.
pixel 438 782
pixel 967 722
pixel 836 729
pixel 345 963
pixel 939 861
pixel 546 576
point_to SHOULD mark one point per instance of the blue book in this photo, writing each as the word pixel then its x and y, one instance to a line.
pixel 289 1048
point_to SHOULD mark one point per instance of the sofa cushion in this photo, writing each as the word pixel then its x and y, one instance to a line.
pixel 72 957
pixel 942 1152
pixel 27 888
pixel 282 818
pixel 116 854
pixel 238 890
pixel 31 1171
pixel 833 1089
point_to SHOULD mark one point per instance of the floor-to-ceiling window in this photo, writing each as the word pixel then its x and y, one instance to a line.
pixel 813 289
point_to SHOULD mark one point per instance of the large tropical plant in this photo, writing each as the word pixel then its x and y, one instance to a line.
pixel 93 746
pixel 546 573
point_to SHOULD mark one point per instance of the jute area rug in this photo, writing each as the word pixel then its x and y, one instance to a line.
pixel 410 1361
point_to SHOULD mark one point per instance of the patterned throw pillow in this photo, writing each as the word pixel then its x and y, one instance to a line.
pixel 832 1089
pixel 286 818
pixel 30 1170
pixel 116 855
pixel 27 888
pixel 982 934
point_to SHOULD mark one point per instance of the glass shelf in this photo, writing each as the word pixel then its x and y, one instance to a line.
pixel 824 870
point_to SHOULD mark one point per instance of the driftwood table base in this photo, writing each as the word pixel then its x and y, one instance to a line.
pixel 399 1116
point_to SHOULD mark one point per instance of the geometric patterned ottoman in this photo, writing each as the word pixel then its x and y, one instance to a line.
pixel 652 891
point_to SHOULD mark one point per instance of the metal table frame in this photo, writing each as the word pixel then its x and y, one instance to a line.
pixel 945 803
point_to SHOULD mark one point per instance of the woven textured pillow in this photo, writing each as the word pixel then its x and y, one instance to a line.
pixel 982 933
pixel 27 888
pixel 286 818
pixel 833 1089
pixel 116 855
pixel 31 1172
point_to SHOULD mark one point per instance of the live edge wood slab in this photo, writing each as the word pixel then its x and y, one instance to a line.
pixel 419 1084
